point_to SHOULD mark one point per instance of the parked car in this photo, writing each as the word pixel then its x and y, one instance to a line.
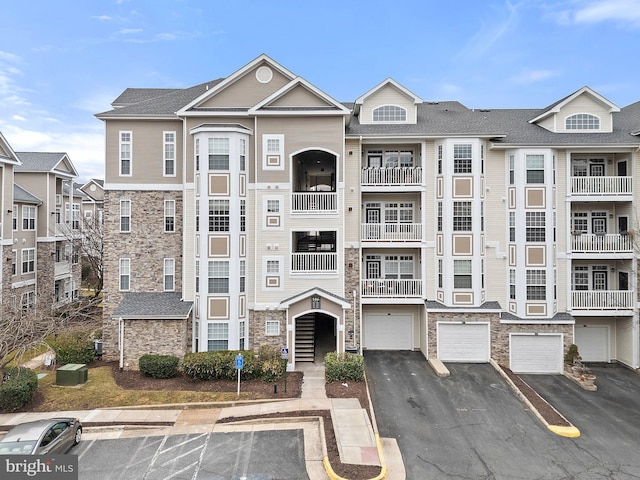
pixel 53 435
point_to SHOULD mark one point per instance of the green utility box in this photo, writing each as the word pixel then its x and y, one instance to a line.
pixel 72 374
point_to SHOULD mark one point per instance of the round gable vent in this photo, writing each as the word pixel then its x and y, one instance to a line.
pixel 264 74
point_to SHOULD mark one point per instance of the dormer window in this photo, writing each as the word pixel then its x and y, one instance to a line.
pixel 582 121
pixel 389 113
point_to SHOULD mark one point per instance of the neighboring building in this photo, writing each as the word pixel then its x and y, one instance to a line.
pixel 93 200
pixel 256 208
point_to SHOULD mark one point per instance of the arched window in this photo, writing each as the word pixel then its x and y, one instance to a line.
pixel 389 113
pixel 582 121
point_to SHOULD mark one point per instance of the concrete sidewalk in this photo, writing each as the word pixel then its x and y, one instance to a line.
pixel 356 436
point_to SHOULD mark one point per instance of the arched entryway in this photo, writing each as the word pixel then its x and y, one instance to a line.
pixel 315 336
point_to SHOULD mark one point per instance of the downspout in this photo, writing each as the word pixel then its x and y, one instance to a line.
pixel 121 341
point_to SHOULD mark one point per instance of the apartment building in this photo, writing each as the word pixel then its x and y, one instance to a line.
pixel 256 209
pixel 40 213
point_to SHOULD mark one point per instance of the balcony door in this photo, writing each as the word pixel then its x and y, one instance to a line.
pixel 596 168
pixel 599 223
pixel 622 168
pixel 599 278
pixel 373 268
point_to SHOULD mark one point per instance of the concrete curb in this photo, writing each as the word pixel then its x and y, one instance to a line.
pixel 565 431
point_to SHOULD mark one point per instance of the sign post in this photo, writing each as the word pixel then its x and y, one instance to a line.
pixel 285 357
pixel 239 365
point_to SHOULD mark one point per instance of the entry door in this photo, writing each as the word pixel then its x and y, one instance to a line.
pixel 373 220
pixel 596 169
pixel 599 280
pixel 599 225
pixel 373 269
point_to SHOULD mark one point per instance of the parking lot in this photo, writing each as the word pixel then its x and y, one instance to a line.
pixel 249 455
pixel 471 425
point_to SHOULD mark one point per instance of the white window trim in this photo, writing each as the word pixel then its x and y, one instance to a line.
pixel 272 258
pixel 130 143
pixel 14 262
pixel 14 218
pixel 166 202
pixel 266 153
pixel 124 269
pixel 406 114
pixel 583 130
pixel 171 262
pixel 29 208
pixel 265 212
pixel 271 323
pixel 164 153
pixel 23 253
pixel 122 201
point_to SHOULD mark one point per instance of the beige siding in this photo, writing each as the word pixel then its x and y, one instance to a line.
pixel 622 335
pixel 147 157
pixel 387 95
pixel 585 104
pixel 6 184
pixel 300 96
pixel 188 247
pixel 352 192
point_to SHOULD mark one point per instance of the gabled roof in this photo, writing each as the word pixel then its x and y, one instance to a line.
pixel 210 92
pixel 315 291
pixel 389 81
pixel 9 155
pixel 153 305
pixel 20 195
pixel 46 162
pixel 264 108
pixel 555 107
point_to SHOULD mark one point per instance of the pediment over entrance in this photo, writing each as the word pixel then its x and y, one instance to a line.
pixel 315 299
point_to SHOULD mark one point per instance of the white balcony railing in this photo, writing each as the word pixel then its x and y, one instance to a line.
pixel 602 299
pixel 317 262
pixel 601 185
pixel 608 243
pixel 62 268
pixel 390 232
pixel 390 288
pixel 391 176
pixel 314 202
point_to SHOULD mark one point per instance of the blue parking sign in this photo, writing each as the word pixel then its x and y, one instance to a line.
pixel 239 362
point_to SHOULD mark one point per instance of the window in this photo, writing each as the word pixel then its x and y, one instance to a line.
pixel 580 278
pixel 125 215
pixel 218 276
pixel 243 215
pixel 512 284
pixel 579 222
pixel 197 215
pixel 28 300
pixel 218 215
pixel 169 274
pixel 273 267
pixel 28 260
pixel 14 262
pixel 125 274
pixel 462 274
pixel 241 334
pixel 512 169
pixel 273 152
pixel 243 276
pixel 197 276
pixel 580 168
pixel 169 149
pixel 389 113
pixel 512 226
pixel 243 154
pixel 462 216
pixel 440 273
pixel 169 215
pixel 398 212
pixel 273 206
pixel 14 218
pixel 439 159
pixel 536 285
pixel 535 168
pixel 218 154
pixel 536 226
pixel 582 121
pixel 28 217
pixel 125 153
pixel 75 256
pixel 58 215
pixel 272 327
pixel 398 266
pixel 462 158
pixel 218 336
pixel 439 216
pixel 197 152
pixel 75 216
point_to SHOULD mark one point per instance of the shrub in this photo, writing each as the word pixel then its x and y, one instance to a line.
pixel 218 365
pixel 17 388
pixel 73 347
pixel 159 366
pixel 270 362
pixel 343 367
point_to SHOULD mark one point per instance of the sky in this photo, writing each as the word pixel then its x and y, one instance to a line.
pixel 62 62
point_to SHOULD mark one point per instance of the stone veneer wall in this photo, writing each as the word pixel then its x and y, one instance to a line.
pixel 351 283
pixel 45 272
pixel 257 337
pixel 161 337
pixel 499 331
pixel 7 257
pixel 147 245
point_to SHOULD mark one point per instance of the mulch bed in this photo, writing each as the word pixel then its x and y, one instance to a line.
pixel 550 414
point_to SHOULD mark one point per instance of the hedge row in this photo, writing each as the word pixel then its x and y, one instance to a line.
pixel 73 347
pixel 17 387
pixel 159 366
pixel 343 367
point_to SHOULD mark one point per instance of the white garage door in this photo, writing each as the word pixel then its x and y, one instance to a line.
pixel 388 332
pixel 593 342
pixel 536 353
pixel 468 342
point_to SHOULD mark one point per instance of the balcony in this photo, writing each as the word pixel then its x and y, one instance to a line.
pixel 391 288
pixel 378 176
pixel 601 186
pixel 602 299
pixel 62 268
pixel 317 262
pixel 607 243
pixel 391 232
pixel 314 202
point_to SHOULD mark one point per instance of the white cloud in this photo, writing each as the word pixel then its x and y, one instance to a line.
pixel 19 118
pixel 129 31
pixel 103 18
pixel 9 57
pixel 532 76
pixel 626 12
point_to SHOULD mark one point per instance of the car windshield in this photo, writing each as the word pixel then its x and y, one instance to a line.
pixel 16 448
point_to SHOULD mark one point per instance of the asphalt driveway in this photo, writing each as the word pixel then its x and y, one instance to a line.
pixel 471 425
